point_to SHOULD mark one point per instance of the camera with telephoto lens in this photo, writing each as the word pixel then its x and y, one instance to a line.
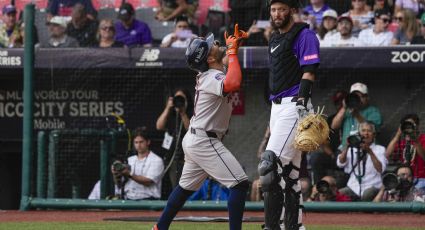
pixel 179 101
pixel 355 140
pixel 407 127
pixel 119 166
pixel 323 187
pixel 393 182
pixel 353 101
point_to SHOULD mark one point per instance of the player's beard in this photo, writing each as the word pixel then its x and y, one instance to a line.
pixel 284 22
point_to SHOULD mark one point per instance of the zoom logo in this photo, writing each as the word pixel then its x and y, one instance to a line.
pixel 406 57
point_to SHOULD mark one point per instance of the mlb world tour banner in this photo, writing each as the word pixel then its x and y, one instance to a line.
pixel 81 88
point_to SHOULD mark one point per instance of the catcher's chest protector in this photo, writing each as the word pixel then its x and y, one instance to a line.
pixel 285 70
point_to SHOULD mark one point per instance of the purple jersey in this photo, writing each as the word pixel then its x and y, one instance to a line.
pixel 306 48
pixel 317 14
pixel 138 34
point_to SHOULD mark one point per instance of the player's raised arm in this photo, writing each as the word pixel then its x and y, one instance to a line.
pixel 234 74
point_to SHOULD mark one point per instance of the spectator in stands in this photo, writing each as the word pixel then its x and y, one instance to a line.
pixel 408 147
pixel 141 176
pixel 355 110
pixel 408 28
pixel 326 190
pixel 64 8
pixel 420 39
pixel 344 37
pixel 414 5
pixel 328 25
pixel 405 191
pixel 378 35
pixel 58 37
pixel 9 29
pixel 131 31
pixel 306 188
pixel 174 121
pixel 181 36
pixel 364 161
pixel 106 35
pixel 170 9
pixel 361 16
pixel 316 9
pixel 384 4
pixel 81 27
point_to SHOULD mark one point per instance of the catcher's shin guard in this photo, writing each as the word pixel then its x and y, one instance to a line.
pixel 273 192
pixel 273 205
pixel 293 199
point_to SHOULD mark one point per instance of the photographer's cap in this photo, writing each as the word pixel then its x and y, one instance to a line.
pixel 360 87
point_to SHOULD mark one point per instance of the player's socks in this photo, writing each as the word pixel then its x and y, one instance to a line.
pixel 236 206
pixel 175 202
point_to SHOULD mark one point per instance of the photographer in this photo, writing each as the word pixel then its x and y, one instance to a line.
pixel 407 147
pixel 397 187
pixel 364 161
pixel 140 178
pixel 326 190
pixel 174 120
pixel 355 110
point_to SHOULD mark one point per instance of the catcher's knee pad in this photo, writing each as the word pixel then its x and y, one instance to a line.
pixel 293 208
pixel 267 169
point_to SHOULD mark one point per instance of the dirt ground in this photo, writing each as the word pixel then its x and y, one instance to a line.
pixel 352 219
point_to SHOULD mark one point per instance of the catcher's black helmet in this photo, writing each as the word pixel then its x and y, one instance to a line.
pixel 197 52
pixel 290 3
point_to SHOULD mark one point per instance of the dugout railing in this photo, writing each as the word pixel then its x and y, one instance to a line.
pixel 77 88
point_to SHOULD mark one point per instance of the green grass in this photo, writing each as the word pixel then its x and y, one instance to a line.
pixel 175 226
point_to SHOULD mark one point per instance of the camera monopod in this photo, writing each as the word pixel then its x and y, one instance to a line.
pixel 361 169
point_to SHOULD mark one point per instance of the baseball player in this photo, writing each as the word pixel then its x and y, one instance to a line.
pixel 294 59
pixel 205 154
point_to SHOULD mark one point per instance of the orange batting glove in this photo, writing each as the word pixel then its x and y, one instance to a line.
pixel 234 41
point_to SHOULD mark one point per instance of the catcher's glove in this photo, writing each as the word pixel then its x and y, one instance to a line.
pixel 312 131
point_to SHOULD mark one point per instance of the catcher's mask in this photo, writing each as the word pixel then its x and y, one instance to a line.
pixel 197 52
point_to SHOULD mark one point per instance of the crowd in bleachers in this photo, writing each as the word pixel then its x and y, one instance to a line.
pixel 154 23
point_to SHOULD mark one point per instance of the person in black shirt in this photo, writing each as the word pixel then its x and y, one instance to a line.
pixel 174 120
pixel 82 28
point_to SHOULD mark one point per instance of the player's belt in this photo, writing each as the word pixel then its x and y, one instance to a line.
pixel 201 132
pixel 279 100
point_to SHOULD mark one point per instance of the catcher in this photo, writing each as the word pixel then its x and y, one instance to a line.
pixel 205 154
pixel 294 59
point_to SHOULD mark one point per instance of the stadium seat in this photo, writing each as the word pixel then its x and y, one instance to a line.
pixel 146 14
pixel 160 29
pixel 107 13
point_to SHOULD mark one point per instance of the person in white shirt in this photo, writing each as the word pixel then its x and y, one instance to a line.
pixel 365 163
pixel 143 172
pixel 181 36
pixel 344 37
pixel 378 35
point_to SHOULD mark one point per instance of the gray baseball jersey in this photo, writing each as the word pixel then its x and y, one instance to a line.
pixel 206 155
pixel 212 109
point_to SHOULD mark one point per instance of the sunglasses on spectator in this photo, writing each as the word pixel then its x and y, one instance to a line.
pixel 398 18
pixel 110 28
pixel 385 20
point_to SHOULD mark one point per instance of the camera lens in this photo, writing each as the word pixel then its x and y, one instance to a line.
pixel 390 181
pixel 179 101
pixel 354 140
pixel 323 186
pixel 407 127
pixel 353 101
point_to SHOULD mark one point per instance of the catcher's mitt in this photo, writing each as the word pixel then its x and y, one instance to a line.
pixel 312 131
